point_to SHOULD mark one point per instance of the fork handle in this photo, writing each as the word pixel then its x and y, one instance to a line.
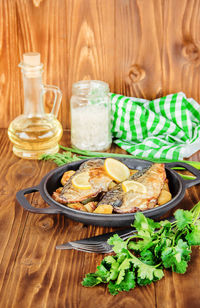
pixel 105 237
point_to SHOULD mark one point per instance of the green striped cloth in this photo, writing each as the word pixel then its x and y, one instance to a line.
pixel 164 128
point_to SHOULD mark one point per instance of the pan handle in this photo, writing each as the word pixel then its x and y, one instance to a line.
pixel 20 196
pixel 196 172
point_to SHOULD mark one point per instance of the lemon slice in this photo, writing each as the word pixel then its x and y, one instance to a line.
pixel 116 170
pixel 81 181
pixel 135 186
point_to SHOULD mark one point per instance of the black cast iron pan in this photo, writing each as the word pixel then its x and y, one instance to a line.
pixel 51 182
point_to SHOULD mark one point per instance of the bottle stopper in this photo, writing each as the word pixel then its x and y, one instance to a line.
pixel 31 58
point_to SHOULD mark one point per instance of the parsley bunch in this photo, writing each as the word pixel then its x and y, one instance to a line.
pixel 141 259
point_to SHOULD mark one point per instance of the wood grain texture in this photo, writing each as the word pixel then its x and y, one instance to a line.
pixel 139 36
pixel 35 274
pixel 143 48
pixel 181 54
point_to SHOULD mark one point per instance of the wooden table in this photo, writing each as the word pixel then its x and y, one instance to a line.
pixel 34 274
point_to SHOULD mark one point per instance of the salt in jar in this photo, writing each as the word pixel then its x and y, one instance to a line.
pixel 90 115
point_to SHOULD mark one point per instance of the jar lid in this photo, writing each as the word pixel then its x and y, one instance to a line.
pixel 90 87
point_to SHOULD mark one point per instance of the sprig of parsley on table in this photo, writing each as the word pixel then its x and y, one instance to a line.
pixel 140 260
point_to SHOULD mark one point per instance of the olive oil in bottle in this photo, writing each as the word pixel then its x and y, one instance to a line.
pixel 35 132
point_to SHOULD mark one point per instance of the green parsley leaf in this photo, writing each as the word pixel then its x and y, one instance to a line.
pixel 183 249
pixel 122 256
pixel 102 272
pixel 147 257
pixel 114 265
pixel 146 274
pixel 193 237
pixel 162 244
pixel 180 267
pixel 117 243
pixel 144 224
pixel 184 218
pixel 157 275
pixel 123 266
pixel 176 257
pixel 91 280
pixel 140 244
pixel 114 271
pixel 126 284
pixel 113 288
pixel 110 259
pixel 166 230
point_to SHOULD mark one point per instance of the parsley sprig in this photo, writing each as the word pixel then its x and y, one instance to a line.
pixel 140 260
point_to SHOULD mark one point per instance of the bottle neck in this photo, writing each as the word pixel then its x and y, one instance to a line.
pixel 33 94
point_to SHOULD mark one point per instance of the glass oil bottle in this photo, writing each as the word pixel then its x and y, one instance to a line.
pixel 35 132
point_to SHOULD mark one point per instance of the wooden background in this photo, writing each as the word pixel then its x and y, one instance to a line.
pixel 143 48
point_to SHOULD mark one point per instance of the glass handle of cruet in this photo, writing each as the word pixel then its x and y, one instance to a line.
pixel 57 97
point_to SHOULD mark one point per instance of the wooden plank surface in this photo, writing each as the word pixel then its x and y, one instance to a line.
pixel 35 274
pixel 181 55
pixel 139 37
pixel 143 48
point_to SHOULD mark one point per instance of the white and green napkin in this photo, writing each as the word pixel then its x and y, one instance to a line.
pixel 165 128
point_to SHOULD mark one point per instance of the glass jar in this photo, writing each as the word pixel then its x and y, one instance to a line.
pixel 90 115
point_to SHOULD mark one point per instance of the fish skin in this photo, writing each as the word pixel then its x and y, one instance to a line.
pixel 98 178
pixel 114 196
pixel 130 202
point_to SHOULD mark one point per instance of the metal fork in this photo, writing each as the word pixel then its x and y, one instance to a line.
pixel 97 244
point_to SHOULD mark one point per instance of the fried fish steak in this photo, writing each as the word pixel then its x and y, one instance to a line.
pixel 98 179
pixel 129 202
